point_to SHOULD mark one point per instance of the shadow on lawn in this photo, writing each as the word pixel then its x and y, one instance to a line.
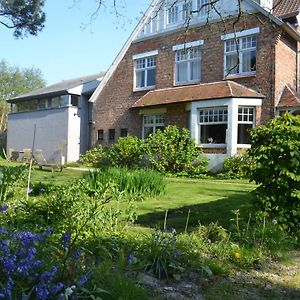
pixel 215 211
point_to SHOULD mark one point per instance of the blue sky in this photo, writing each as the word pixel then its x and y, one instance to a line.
pixel 64 49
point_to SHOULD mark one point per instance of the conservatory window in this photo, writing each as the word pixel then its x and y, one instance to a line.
pixel 246 121
pixel 213 125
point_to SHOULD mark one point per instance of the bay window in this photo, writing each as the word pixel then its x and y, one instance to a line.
pixel 203 7
pixel 246 121
pixel 213 125
pixel 187 65
pixel 240 55
pixel 152 123
pixel 173 14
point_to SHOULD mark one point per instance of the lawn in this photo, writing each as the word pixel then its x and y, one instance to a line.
pixel 207 200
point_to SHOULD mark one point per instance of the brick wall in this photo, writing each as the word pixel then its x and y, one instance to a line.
pixel 286 65
pixel 112 108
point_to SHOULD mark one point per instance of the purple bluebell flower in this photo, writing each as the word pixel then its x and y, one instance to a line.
pixel 4 208
pixel 66 240
pixel 48 232
pixel 77 254
pixel 83 280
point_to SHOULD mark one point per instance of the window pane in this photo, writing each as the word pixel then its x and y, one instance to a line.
pixel 151 77
pixel 147 131
pixel 124 132
pixel 100 135
pixel 213 134
pixel 181 69
pixel 55 102
pixel 111 134
pixel 249 61
pixel 244 133
pixel 140 79
pixel 42 104
pixel 195 70
pixel 232 64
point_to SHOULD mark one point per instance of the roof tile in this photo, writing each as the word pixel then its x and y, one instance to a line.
pixel 205 91
pixel 289 98
pixel 284 7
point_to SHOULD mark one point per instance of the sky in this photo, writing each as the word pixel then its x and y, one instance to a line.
pixel 69 46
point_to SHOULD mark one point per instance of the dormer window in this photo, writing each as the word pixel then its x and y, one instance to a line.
pixel 173 14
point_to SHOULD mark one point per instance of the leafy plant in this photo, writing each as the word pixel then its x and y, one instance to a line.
pixel 275 153
pixel 174 151
pixel 12 181
pixel 161 253
pixel 139 182
pixel 93 157
pixel 237 166
pixel 127 152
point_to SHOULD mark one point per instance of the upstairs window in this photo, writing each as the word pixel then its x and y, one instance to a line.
pixel 187 10
pixel 152 123
pixel 213 125
pixel 240 56
pixel 145 72
pixel 187 65
pixel 100 135
pixel 173 14
pixel 123 132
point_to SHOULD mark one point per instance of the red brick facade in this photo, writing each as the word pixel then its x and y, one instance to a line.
pixel 275 66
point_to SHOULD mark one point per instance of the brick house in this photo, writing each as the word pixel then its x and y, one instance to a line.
pixel 194 64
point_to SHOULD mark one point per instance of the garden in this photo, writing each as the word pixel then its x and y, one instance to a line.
pixel 150 222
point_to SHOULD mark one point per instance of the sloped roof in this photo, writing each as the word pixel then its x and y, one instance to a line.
pixel 289 98
pixel 287 27
pixel 286 7
pixel 205 91
pixel 59 88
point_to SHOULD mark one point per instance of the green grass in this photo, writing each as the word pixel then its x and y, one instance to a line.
pixel 208 201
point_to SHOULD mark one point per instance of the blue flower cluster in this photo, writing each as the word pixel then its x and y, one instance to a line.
pixel 23 274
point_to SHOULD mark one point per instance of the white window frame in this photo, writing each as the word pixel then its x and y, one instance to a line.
pixel 248 121
pixel 238 51
pixel 155 124
pixel 146 57
pixel 188 60
pixel 202 121
pixel 172 15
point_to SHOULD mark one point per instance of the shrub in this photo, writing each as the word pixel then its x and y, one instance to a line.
pixel 276 168
pixel 93 157
pixel 237 166
pixel 127 152
pixel 174 151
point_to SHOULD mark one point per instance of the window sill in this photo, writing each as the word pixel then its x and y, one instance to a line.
pixel 145 89
pixel 246 146
pixel 240 76
pixel 212 145
pixel 186 83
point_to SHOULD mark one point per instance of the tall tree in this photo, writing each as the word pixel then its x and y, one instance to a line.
pixel 24 16
pixel 13 82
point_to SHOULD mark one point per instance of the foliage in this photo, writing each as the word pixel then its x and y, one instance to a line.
pixel 276 168
pixel 237 166
pixel 127 152
pixel 24 16
pixel 15 81
pixel 141 182
pixel 161 253
pixel 93 157
pixel 11 179
pixel 174 151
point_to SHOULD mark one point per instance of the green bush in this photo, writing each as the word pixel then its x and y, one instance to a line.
pixel 93 157
pixel 174 151
pixel 276 169
pixel 127 152
pixel 237 166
